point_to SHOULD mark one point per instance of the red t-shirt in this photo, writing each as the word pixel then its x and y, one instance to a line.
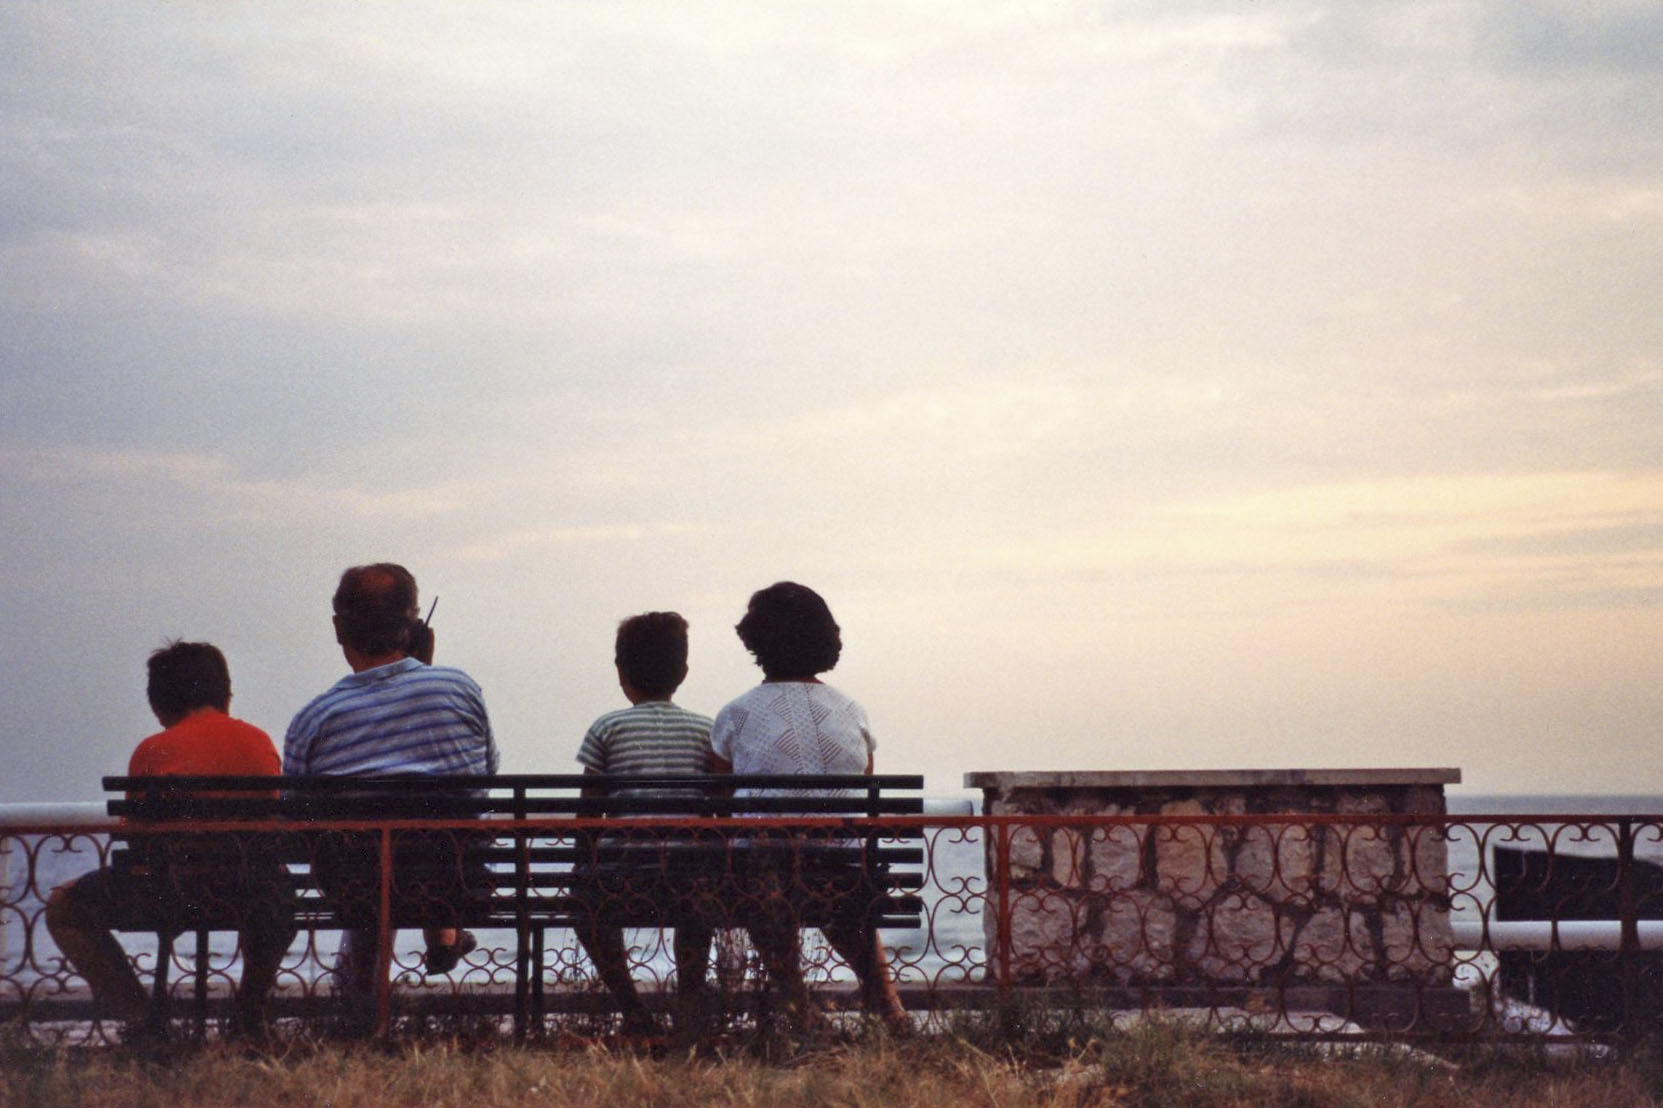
pixel 206 742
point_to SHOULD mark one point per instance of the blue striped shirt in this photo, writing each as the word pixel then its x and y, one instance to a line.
pixel 403 717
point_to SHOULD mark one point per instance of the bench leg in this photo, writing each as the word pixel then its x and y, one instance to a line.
pixel 522 994
pixel 201 984
pixel 537 1001
pixel 158 994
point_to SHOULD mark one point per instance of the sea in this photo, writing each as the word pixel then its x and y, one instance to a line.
pixel 950 950
pixel 27 952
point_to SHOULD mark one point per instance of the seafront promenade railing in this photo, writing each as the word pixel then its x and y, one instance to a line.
pixel 1327 926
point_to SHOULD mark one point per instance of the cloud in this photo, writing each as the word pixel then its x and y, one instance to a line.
pixel 1554 36
pixel 1642 535
pixel 1434 540
pixel 513 544
pixel 1199 336
pixel 1641 382
pixel 212 486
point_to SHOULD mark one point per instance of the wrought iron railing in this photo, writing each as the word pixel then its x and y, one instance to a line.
pixel 1332 926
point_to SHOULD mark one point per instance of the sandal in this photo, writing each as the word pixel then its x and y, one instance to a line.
pixel 442 959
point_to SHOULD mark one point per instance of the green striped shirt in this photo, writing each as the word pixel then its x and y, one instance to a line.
pixel 654 736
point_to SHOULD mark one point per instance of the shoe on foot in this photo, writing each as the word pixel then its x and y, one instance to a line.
pixel 250 1029
pixel 696 1011
pixel 143 1034
pixel 640 1024
pixel 898 1024
pixel 442 959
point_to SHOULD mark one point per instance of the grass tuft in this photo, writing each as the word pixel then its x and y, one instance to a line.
pixel 1150 1064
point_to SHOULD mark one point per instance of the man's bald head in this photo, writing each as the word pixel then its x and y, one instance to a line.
pixel 374 605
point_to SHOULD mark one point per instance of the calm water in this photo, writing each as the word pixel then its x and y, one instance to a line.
pixel 958 929
pixel 957 869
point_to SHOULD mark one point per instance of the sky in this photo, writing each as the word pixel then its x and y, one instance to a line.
pixel 1146 384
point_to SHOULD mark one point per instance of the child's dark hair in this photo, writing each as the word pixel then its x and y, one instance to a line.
pixel 791 632
pixel 184 676
pixel 651 653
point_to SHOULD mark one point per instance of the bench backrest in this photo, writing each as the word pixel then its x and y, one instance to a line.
pixel 543 796
pixel 542 862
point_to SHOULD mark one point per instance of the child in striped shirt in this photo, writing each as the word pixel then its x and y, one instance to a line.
pixel 652 736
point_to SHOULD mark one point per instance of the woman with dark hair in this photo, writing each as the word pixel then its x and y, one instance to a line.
pixel 793 723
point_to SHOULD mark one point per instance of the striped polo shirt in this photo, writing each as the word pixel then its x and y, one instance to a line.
pixel 655 736
pixel 403 717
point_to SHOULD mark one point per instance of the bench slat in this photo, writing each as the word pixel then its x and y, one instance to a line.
pixel 528 876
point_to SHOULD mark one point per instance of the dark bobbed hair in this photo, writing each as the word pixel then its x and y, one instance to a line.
pixel 651 652
pixel 374 606
pixel 791 632
pixel 185 676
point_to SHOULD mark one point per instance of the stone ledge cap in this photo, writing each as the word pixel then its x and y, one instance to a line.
pixel 1208 778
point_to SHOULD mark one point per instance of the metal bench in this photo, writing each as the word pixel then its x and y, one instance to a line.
pixel 520 852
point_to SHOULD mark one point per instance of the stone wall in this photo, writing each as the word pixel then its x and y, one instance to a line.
pixel 1222 900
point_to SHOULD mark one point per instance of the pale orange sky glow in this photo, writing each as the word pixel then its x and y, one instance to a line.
pixel 1144 384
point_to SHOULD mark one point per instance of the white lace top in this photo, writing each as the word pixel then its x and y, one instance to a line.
pixel 793 727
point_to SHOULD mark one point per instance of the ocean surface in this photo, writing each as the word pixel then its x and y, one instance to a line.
pixel 25 957
pixel 953 893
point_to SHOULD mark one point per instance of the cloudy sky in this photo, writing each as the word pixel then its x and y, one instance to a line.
pixel 1146 384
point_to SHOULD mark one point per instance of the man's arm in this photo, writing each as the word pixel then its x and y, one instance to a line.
pixel 481 723
pixel 297 748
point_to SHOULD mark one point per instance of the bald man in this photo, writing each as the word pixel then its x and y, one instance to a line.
pixel 391 714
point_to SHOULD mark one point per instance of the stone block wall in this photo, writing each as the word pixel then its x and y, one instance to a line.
pixel 1223 900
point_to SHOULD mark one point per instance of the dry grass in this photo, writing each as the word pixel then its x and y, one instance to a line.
pixel 1149 1067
